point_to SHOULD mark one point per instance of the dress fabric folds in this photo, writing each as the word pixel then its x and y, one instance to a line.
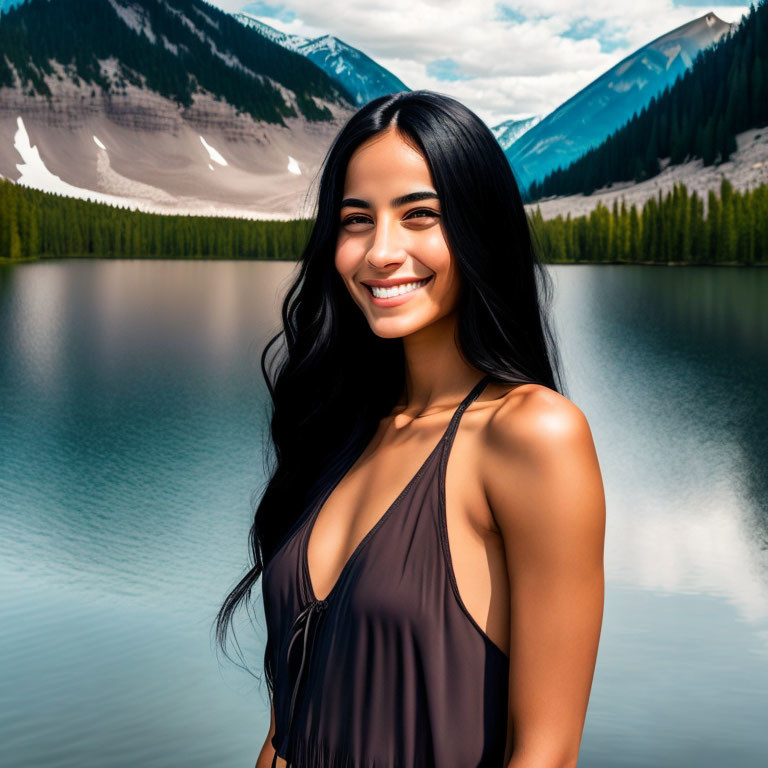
pixel 390 670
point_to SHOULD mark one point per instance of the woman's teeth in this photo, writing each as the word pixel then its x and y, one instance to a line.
pixel 386 293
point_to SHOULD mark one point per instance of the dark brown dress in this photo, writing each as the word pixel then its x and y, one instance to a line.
pixel 390 670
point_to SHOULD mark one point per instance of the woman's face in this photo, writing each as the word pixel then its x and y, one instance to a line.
pixel 390 236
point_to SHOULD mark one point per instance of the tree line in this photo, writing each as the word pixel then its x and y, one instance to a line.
pixel 670 228
pixel 724 93
pixel 35 224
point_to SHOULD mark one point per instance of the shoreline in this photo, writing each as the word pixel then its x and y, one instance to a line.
pixel 8 261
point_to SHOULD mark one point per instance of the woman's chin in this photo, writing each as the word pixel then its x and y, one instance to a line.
pixel 396 328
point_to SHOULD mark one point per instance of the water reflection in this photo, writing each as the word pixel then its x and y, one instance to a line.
pixel 678 408
pixel 133 431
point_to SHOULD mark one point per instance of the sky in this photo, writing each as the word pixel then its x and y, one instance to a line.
pixel 509 59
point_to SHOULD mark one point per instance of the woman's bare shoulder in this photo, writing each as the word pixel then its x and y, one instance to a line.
pixel 538 455
pixel 534 417
pixel 544 490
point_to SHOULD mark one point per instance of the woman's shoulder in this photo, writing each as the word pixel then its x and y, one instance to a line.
pixel 534 418
pixel 539 466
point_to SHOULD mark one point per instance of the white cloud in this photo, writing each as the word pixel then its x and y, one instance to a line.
pixel 516 68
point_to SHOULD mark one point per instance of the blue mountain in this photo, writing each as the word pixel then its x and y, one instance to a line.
pixel 587 118
pixel 357 73
pixel 6 5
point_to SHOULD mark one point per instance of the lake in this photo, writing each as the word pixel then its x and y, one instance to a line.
pixel 132 429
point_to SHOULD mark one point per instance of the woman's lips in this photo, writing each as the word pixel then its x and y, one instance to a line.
pixel 401 298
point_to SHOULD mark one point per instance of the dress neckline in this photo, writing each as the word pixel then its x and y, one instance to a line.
pixel 304 543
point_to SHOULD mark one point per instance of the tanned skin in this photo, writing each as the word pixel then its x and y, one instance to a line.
pixel 525 504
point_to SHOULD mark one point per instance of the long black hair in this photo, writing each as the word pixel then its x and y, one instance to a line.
pixel 336 379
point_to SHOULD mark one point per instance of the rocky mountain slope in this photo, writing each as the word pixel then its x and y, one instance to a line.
pixel 172 105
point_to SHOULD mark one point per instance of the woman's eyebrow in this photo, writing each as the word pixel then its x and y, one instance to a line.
pixel 411 197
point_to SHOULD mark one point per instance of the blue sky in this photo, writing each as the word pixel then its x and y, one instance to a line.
pixel 508 58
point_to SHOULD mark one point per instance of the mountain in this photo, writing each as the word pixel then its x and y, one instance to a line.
pixel 6 5
pixel 170 104
pixel 292 42
pixel 360 75
pixel 173 48
pixel 509 131
pixel 709 125
pixel 587 118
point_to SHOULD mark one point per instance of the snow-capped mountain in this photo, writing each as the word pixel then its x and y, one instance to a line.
pixel 360 75
pixel 509 131
pixel 587 118
pixel 170 105
pixel 292 42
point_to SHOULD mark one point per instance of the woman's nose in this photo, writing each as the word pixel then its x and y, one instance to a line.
pixel 387 246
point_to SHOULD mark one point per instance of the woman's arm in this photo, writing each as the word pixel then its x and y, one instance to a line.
pixel 544 486
pixel 267 753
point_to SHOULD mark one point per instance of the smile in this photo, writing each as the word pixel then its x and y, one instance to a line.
pixel 397 290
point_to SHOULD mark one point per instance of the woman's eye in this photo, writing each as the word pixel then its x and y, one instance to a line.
pixel 419 214
pixel 424 211
pixel 354 220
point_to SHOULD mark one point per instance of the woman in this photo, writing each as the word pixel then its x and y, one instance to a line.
pixel 421 611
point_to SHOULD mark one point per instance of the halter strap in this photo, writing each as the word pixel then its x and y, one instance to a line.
pixel 450 432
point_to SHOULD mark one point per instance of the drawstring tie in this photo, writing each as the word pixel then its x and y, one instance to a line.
pixel 301 628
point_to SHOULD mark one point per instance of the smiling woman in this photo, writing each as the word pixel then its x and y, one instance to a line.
pixel 454 623
pixel 376 231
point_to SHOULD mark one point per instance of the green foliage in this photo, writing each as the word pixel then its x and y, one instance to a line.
pixel 724 93
pixel 36 224
pixel 672 229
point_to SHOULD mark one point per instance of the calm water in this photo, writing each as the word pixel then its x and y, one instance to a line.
pixel 132 431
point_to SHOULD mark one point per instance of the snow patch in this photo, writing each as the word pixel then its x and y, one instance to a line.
pixel 134 17
pixel 210 166
pixel 293 165
pixel 110 68
pixel 17 84
pixel 289 97
pixel 227 57
pixel 215 156
pixel 172 47
pixel 214 24
pixel 292 42
pixel 35 174
pixel 671 53
pixel 188 23
pixel 98 142
pixel 622 68
pixel 544 143
pixel 230 59
pixel 652 65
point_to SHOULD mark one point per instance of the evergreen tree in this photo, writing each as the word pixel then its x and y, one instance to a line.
pixel 634 235
pixel 715 253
